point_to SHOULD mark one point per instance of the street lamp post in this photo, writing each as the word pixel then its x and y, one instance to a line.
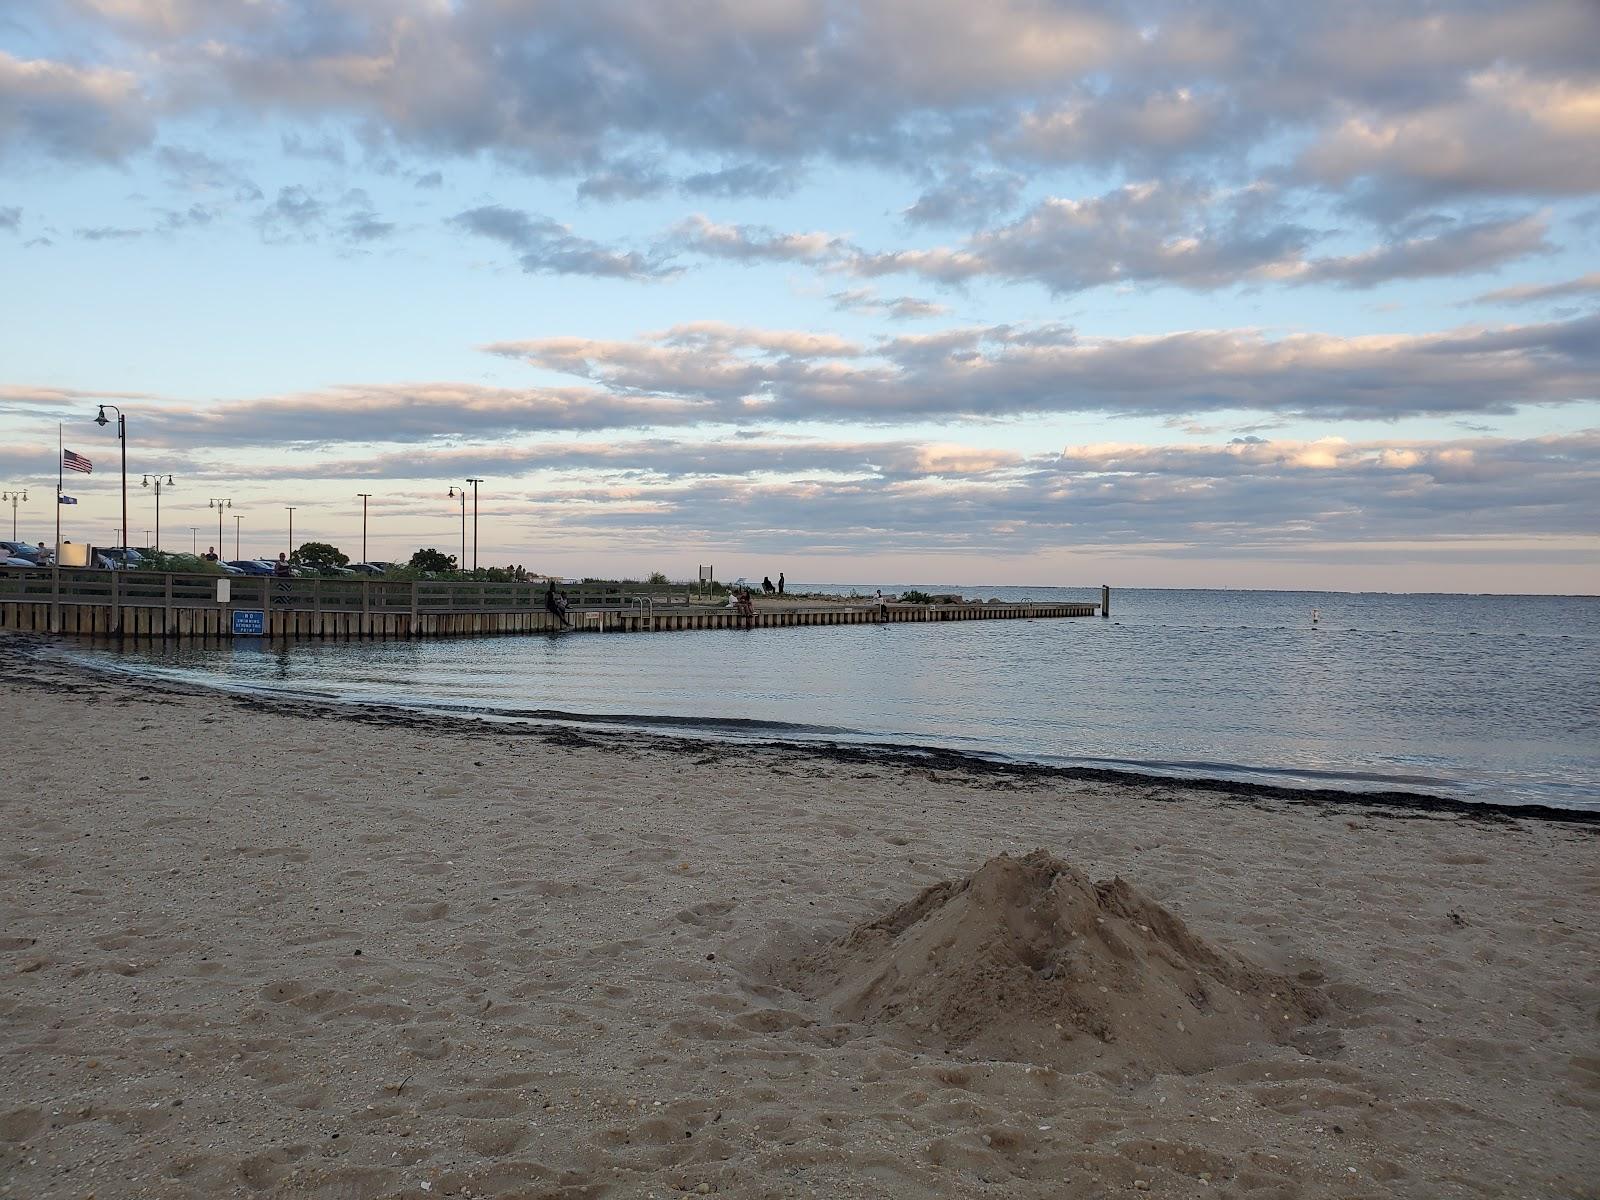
pixel 16 498
pixel 291 507
pixel 462 493
pixel 122 436
pixel 194 540
pixel 365 496
pixel 474 483
pixel 219 505
pixel 238 523
pixel 158 484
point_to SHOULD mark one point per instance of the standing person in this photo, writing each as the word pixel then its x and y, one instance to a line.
pixel 883 609
pixel 211 554
pixel 281 569
pixel 780 583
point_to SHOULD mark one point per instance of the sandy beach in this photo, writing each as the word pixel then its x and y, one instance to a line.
pixel 269 948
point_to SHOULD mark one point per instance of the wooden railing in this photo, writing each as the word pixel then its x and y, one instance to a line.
pixel 160 589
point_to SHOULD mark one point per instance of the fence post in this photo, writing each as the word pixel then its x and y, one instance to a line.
pixel 316 606
pixel 55 599
pixel 116 600
pixel 411 630
pixel 166 609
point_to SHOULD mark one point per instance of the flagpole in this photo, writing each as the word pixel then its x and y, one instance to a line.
pixel 61 455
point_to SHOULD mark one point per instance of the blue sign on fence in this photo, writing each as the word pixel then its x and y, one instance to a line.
pixel 249 622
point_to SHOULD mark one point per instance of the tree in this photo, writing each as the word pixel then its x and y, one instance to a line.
pixel 658 577
pixel 432 560
pixel 321 555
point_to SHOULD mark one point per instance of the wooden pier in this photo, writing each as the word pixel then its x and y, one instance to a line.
pixel 160 605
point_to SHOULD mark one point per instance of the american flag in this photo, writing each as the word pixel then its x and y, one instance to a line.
pixel 73 461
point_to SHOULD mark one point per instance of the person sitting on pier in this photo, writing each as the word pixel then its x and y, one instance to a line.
pixel 766 585
pixel 556 605
pixel 745 607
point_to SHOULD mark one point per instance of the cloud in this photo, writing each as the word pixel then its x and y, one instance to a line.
pixel 742 179
pixel 294 213
pixel 328 148
pixel 747 375
pixel 896 308
pixel 10 218
pixel 409 413
pixel 629 179
pixel 364 226
pixel 698 234
pixel 1415 102
pixel 1461 250
pixel 70 112
pixel 1183 235
pixel 195 171
pixel 544 246
pixel 1169 232
pixel 967 198
pixel 1504 133
pixel 1261 499
pixel 108 233
pixel 1584 285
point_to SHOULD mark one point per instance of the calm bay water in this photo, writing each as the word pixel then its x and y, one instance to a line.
pixel 1479 697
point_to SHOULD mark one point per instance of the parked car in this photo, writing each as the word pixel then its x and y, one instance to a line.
pixel 335 572
pixel 12 560
pixel 118 558
pixel 251 566
pixel 36 555
pixel 372 568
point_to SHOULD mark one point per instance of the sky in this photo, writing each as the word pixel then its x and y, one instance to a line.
pixel 1198 293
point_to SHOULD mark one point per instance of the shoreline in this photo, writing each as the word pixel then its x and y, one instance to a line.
pixel 894 754
pixel 274 949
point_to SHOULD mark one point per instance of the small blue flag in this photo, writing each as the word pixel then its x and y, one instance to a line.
pixel 63 499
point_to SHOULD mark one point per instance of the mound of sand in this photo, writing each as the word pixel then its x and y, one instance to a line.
pixel 1028 960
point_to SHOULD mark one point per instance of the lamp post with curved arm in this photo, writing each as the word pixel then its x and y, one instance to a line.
pixel 16 497
pixel 122 436
pixel 158 483
pixel 462 492
pixel 365 496
pixel 474 483
pixel 219 505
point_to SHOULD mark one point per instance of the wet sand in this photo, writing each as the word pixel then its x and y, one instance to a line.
pixel 265 948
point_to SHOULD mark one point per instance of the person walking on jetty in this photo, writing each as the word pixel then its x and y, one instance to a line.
pixel 780 583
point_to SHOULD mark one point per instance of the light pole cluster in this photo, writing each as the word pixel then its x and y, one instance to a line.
pixel 219 505
pixel 158 483
pixel 161 480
